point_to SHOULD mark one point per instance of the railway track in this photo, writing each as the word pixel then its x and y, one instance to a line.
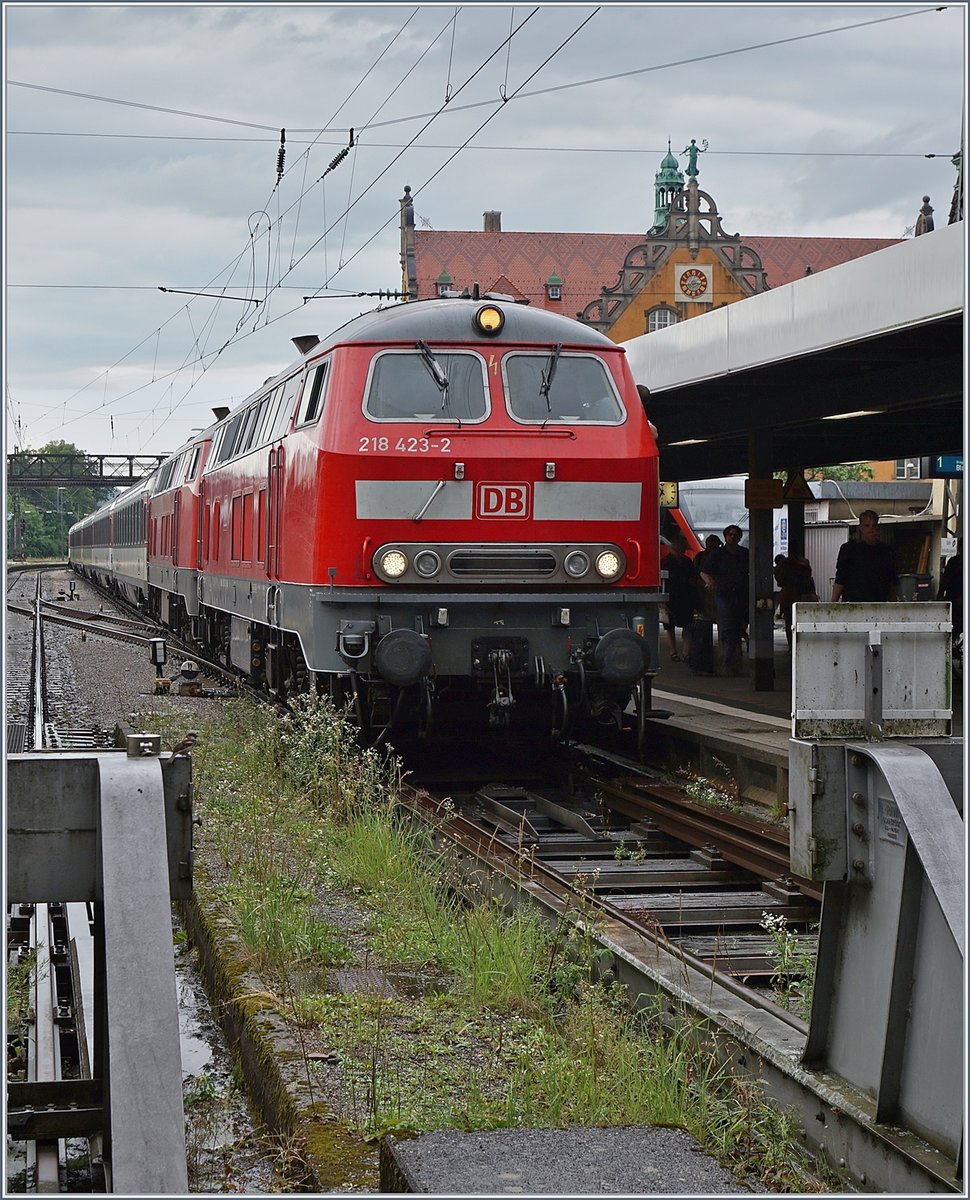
pixel 598 849
pixel 48 1039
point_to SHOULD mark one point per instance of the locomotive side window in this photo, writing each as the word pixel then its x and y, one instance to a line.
pixel 287 393
pixel 567 388
pixel 270 408
pixel 214 454
pixel 193 465
pixel 402 387
pixel 312 405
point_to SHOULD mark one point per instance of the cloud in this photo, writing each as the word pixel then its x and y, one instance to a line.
pixel 822 136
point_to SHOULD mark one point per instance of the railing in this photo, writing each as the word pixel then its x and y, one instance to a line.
pixel 29 469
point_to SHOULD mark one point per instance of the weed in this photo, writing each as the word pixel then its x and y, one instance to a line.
pixel 705 791
pixel 794 963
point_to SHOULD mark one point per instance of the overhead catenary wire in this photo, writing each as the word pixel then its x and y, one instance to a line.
pixel 771 44
pixel 201 358
pixel 238 335
pixel 280 285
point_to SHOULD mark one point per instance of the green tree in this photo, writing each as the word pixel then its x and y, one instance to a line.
pixel 840 473
pixel 40 515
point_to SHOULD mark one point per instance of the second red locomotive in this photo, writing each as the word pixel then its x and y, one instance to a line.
pixel 449 506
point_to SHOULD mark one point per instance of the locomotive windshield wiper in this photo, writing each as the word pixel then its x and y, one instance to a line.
pixel 436 372
pixel 547 378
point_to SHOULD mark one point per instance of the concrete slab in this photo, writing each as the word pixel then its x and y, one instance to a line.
pixel 634 1160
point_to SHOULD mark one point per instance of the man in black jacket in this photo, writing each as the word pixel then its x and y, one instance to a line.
pixel 866 569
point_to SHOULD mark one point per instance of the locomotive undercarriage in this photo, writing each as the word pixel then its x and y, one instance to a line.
pixel 549 664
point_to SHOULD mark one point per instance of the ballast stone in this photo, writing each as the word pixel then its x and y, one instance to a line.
pixel 636 1160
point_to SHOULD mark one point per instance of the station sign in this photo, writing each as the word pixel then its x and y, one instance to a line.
pixel 763 493
pixel 946 466
pixel 796 487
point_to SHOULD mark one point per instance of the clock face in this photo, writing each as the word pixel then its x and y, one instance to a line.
pixel 693 283
pixel 668 495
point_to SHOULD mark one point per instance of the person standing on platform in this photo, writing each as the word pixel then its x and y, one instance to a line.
pixel 796 583
pixel 680 593
pixel 726 575
pixel 865 570
pixel 951 588
pixel 704 597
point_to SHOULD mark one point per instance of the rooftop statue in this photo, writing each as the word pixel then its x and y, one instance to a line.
pixel 692 152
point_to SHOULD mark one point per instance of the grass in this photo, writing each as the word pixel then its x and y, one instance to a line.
pixel 514 1027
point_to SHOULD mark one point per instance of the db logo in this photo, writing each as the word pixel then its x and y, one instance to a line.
pixel 509 500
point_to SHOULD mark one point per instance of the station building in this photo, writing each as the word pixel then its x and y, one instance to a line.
pixel 623 284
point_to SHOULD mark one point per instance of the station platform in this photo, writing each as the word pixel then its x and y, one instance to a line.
pixel 677 683
pixel 721 726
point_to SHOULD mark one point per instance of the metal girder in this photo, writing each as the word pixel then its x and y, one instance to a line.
pixel 52 821
pixel 143 1082
pixel 887 1012
pixel 114 829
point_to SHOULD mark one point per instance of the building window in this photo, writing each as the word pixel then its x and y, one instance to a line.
pixel 660 318
pixel 907 468
pixel 443 283
pixel 554 287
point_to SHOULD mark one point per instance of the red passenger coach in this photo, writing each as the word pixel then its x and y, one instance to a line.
pixel 448 507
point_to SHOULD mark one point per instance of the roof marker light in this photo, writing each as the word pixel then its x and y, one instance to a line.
pixel 490 320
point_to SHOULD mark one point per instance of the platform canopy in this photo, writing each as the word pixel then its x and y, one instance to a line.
pixel 882 335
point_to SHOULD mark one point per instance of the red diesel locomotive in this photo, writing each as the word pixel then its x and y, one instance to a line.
pixel 448 507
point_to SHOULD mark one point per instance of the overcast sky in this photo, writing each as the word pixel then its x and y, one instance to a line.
pixel 142 149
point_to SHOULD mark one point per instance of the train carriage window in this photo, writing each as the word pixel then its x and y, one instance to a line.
pixel 561 388
pixel 313 393
pixel 403 386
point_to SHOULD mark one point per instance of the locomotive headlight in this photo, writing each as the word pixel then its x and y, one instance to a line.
pixel 394 563
pixel 576 564
pixel 490 320
pixel 427 563
pixel 608 564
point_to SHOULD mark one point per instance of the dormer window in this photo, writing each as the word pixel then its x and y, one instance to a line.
pixel 553 288
pixel 443 283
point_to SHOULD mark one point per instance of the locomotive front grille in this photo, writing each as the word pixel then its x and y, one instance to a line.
pixel 502 563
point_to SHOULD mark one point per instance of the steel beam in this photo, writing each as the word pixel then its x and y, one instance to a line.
pixel 114 829
pixel 143 1085
pixel 887 1012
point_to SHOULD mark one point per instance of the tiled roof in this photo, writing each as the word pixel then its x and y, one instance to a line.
pixel 785 258
pixel 588 262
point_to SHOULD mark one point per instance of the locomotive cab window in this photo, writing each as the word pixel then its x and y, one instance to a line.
pixel 566 388
pixel 411 385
